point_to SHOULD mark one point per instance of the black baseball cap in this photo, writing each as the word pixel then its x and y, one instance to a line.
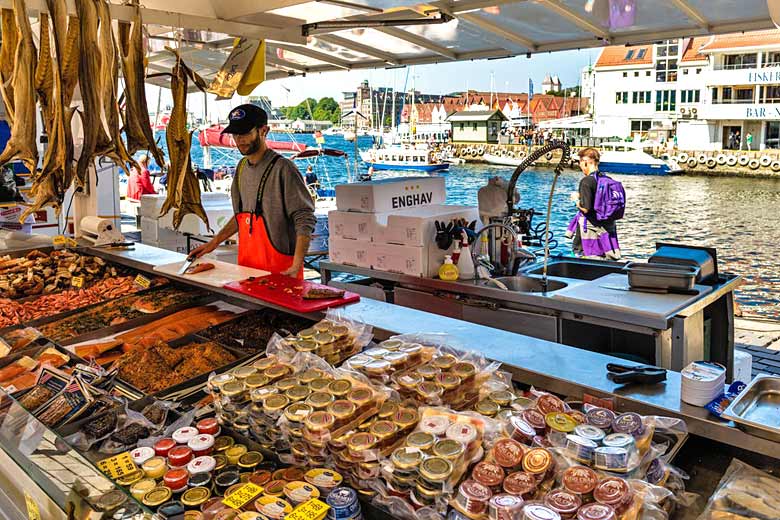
pixel 244 118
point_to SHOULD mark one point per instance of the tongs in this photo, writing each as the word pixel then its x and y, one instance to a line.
pixel 645 374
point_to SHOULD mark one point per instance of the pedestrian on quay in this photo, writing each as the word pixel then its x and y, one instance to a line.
pixel 749 141
pixel 594 238
pixel 738 140
pixel 732 140
pixel 140 181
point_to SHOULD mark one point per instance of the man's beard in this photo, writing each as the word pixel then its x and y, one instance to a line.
pixel 253 147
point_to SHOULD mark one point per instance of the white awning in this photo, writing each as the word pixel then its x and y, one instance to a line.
pixel 575 122
pixel 305 36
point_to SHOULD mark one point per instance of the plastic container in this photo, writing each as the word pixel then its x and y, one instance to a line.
pixel 448 270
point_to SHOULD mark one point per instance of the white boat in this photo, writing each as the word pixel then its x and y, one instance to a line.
pixel 628 157
pixel 403 157
pixel 501 160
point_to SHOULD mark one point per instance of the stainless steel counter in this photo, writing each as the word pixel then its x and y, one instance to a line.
pixel 551 366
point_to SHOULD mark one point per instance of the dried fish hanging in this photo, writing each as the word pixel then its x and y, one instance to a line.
pixel 136 113
pixel 7 54
pixel 183 186
pixel 22 145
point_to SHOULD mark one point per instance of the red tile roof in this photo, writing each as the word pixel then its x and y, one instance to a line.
pixel 740 40
pixel 616 55
pixel 691 52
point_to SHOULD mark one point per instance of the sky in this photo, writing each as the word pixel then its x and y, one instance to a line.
pixel 509 75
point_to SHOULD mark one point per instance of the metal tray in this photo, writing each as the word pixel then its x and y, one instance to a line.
pixel 757 409
pixel 666 277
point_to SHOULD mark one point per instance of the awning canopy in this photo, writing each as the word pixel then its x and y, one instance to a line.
pixel 305 36
pixel 476 115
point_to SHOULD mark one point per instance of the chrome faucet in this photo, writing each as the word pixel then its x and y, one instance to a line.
pixel 483 262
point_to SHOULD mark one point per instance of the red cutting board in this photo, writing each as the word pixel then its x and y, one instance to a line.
pixel 286 292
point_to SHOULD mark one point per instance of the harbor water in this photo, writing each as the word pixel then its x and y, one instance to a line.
pixel 734 214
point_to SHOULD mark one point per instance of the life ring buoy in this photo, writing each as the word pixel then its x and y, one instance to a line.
pixel 743 160
pixel 481 150
pixel 721 159
pixel 765 161
pixel 731 160
pixel 711 163
pixel 754 164
pixel 775 166
pixel 683 157
pixel 692 162
pixel 701 158
pixel 519 154
pixel 549 156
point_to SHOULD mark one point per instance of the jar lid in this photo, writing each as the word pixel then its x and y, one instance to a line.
pixel 411 348
pixel 244 372
pixel 199 480
pixel 227 478
pixel 320 384
pixel 323 325
pixel 276 371
pixel 392 344
pixel 319 420
pixel 501 397
pixel 297 412
pixel 487 407
pixel 596 511
pixel 406 458
pixel 405 417
pixel 578 416
pixel 563 502
pixel 195 496
pixel 340 387
pixel 427 371
pixel 435 469
pixel 590 432
pixel 361 441
pixel 488 474
pixel 309 375
pixel 275 403
pixel 183 435
pixel 600 417
pixel 202 442
pixel 179 456
pixel 628 422
pixel 163 446
pixel 273 507
pixel 387 410
pixel 260 477
pixel 473 490
pixel 508 453
pixel 358 361
pixel 250 459
pixel 535 418
pixel 208 425
pixel 444 362
pixel 612 491
pixel 420 440
pixel 256 381
pixel 176 478
pixel 383 429
pixel 157 496
pixel 548 403
pixel 264 362
pixel 520 428
pixel 223 442
pixel 142 487
pixel 377 366
pixel 307 333
pixel 520 483
pixel 464 369
pixel 505 505
pixel 341 409
pixel 221 379
pixel 339 331
pixel 299 492
pixel 434 425
pixel 320 399
pixel 409 380
pixel 360 396
pixel 285 384
pixel 397 359
pixel 323 478
pixel 324 338
pixel 539 512
pixel 292 473
pixel 297 393
pixel 537 460
pixel 233 389
pixel 560 422
pixel 220 460
pixel 447 380
pixel 462 432
pixel 142 454
pixel 618 440
pixel 580 480
pixel 235 451
pixel 448 448
pixel 154 464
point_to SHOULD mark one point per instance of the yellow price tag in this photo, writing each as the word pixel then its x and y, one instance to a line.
pixel 71 243
pixel 242 496
pixel 59 240
pixel 118 465
pixel 142 281
pixel 77 282
pixel 311 510
pixel 33 513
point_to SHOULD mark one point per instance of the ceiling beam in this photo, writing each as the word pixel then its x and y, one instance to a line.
pixel 279 63
pixel 576 18
pixel 358 47
pixel 238 8
pixel 172 19
pixel 692 13
pixel 467 6
pixel 499 30
pixel 311 53
pixel 419 41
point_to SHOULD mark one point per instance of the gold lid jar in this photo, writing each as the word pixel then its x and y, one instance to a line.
pixel 358 361
pixel 413 349
pixel 258 395
pixel 134 476
pixel 360 442
pixel 307 333
pixel 435 469
pixel 341 409
pixel 429 391
pixel 340 331
pixel 319 421
pixel 244 372
pixel 427 371
pixel 448 449
pixel 220 461
pixel 323 326
pixel 256 381
pixel 444 362
pixel 420 440
pixel 157 496
pixel 320 384
pixel 233 389
pixel 306 345
pixel 250 460
pixel 297 412
pixel 387 410
pixel 464 370
pixel 340 387
pixel 285 384
pixel 377 367
pixel 196 496
pixel 276 371
pixel 319 400
pixel 392 344
pixel 360 396
pixel 234 453
pixel 448 381
pixel 397 359
pixel 324 338
pixel 501 397
pixel 220 379
pixel 309 375
pixel 487 407
pixel 297 393
pixel 405 418
pixel 406 458
pixel 275 403
pixel 142 487
pixel 265 362
pixel 383 430
pixel 409 381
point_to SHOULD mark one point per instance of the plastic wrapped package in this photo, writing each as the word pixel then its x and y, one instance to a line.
pixel 334 339
pixel 744 493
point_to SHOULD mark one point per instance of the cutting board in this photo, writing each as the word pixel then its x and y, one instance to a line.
pixel 222 273
pixel 611 292
pixel 285 292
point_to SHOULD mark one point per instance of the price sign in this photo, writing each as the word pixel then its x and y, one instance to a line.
pixel 142 281
pixel 77 282
pixel 312 510
pixel 118 465
pixel 71 243
pixel 242 496
pixel 59 240
pixel 33 513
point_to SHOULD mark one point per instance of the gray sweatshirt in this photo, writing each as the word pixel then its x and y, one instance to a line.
pixel 287 206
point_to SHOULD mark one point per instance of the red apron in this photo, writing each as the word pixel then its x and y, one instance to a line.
pixel 255 248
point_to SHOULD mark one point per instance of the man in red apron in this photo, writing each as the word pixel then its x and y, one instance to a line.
pixel 274 210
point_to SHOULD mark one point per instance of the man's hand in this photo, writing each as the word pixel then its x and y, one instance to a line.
pixel 293 269
pixel 204 249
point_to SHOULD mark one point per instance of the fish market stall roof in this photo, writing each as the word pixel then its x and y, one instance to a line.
pixel 326 35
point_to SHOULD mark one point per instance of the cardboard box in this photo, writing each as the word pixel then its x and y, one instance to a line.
pixel 417 226
pixel 390 194
pixel 350 252
pixel 351 225
pixel 152 231
pixel 423 261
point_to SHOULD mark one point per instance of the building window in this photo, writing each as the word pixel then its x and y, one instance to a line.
pixel 690 96
pixel 770 94
pixel 669 48
pixel 474 127
pixel 698 71
pixel 621 98
pixel 647 73
pixel 463 126
pixel 641 97
pixel 714 94
pixel 666 70
pixel 641 54
pixel 625 74
pixel 743 95
pixel 771 59
pixel 740 61
pixel 630 54
pixel 772 135
pixel 640 126
pixel 636 74
pixel 685 72
pixel 666 100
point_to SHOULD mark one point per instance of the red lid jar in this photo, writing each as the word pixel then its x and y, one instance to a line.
pixel 176 479
pixel 179 456
pixel 163 446
pixel 209 425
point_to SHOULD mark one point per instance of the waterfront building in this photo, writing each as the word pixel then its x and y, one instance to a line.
pixel 551 84
pixel 711 92
pixel 476 126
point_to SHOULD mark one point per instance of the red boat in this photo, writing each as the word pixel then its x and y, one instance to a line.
pixel 213 136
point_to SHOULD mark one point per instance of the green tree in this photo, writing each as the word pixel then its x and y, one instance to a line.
pixel 326 109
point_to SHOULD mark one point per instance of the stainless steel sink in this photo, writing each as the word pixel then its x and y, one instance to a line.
pixel 577 269
pixel 529 284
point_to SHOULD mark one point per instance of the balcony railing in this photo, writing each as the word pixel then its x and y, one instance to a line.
pixel 736 66
pixel 733 102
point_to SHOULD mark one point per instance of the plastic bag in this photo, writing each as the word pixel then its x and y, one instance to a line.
pixel 132 427
pixel 744 493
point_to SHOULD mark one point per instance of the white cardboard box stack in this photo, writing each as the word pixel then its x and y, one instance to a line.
pixel 389 225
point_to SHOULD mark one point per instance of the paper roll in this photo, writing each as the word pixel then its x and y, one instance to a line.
pixel 96 225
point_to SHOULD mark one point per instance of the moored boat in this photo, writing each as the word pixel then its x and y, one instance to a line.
pixel 403 158
pixel 629 158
